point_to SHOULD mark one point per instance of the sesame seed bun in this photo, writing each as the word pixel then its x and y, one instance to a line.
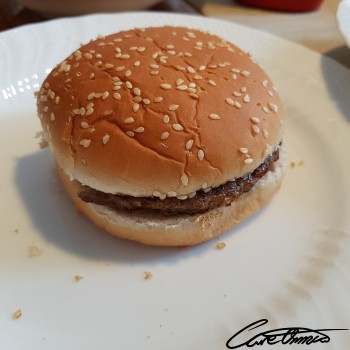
pixel 160 112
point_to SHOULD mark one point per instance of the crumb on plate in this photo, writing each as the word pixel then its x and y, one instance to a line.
pixel 34 251
pixel 77 278
pixel 147 275
pixel 17 314
pixel 220 245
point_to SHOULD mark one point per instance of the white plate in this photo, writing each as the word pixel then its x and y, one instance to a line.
pixel 343 18
pixel 290 263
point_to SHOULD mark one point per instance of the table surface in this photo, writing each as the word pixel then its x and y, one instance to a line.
pixel 316 30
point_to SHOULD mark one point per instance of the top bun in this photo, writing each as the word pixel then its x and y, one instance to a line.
pixel 159 111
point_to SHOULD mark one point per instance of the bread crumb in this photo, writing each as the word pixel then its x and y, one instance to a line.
pixel 34 251
pixel 301 163
pixel 36 93
pixel 16 230
pixel 42 141
pixel 17 314
pixel 220 245
pixel 292 164
pixel 77 278
pixel 147 275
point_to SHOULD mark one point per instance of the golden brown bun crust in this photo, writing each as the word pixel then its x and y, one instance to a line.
pixel 181 230
pixel 113 135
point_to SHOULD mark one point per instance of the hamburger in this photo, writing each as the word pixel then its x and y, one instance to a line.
pixel 167 136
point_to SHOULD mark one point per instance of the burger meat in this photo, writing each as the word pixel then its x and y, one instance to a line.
pixel 223 195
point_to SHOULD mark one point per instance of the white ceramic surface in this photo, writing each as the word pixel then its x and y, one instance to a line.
pixel 343 18
pixel 290 263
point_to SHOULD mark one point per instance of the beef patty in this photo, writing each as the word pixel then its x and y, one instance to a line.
pixel 203 201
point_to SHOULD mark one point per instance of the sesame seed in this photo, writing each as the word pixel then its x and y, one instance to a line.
pixel 128 73
pixel 105 95
pixel 191 69
pixel 245 73
pixel 117 82
pixel 129 120
pixel 201 68
pixel 137 63
pixel 192 90
pixel 273 107
pixel 146 101
pixel 166 119
pixel 117 96
pixel 109 65
pixel 266 110
pixel 180 68
pixel 140 130
pixel 130 133
pixel 189 144
pixel 191 35
pixel 165 86
pixel 255 129
pixel 192 194
pixel 181 87
pixel 173 107
pixel 164 136
pixel 133 48
pixel 265 83
pixel 178 127
pixel 170 47
pixel 243 89
pixel 246 98
pixel 243 150
pixel 214 116
pixel 120 68
pixel 116 87
pixel 179 82
pixel 154 72
pixel 154 66
pixel 235 70
pixel 212 66
pixel 57 100
pixel 221 65
pixel 200 154
pixel 185 38
pixel 184 179
pixel 105 139
pixel 128 85
pixel 125 56
pixel 85 143
pixel 248 161
pixel 89 111
pixel 118 50
pixel 91 96
pixel 137 99
pixel 46 108
pixel 135 107
pixel 198 48
pixel 137 91
pixel 76 111
pixel 182 197
pixel 270 93
pixel 141 49
pixel 84 125
pixel 204 185
pixel 234 76
pixel 82 111
pixel 230 101
pixel 192 85
pixel 198 77
pixel 171 194
pixel 158 99
pixel 156 194
pixel 238 105
pixel 163 60
pixel 255 120
pixel 194 95
pixel 212 82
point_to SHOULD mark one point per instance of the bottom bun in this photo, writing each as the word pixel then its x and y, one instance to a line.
pixel 181 230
